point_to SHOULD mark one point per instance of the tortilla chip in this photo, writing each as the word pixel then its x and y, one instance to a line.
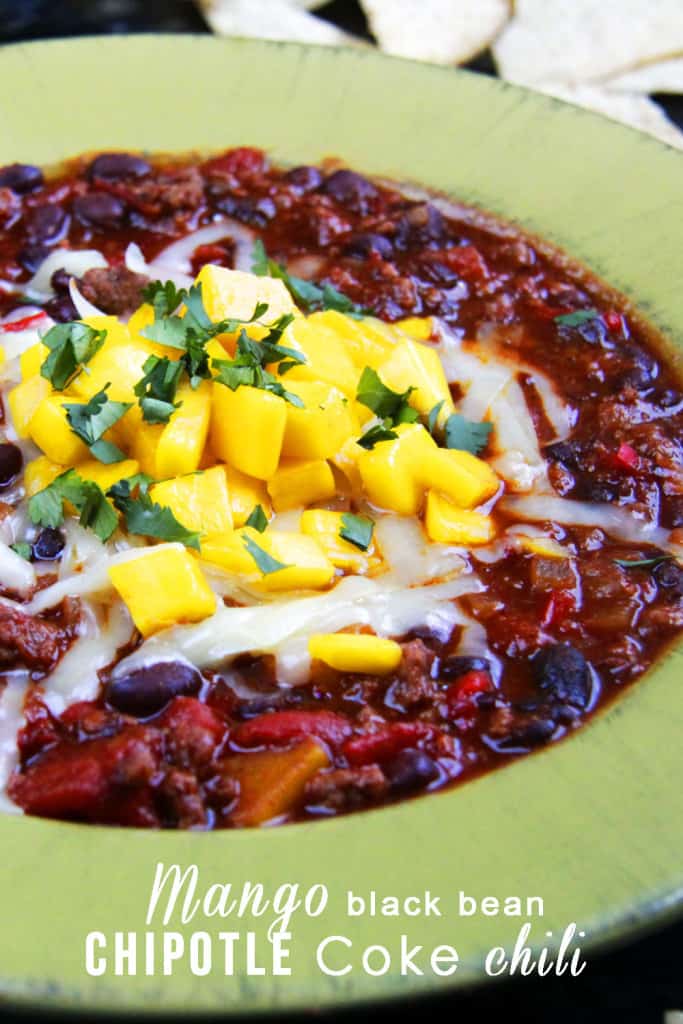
pixel 271 19
pixel 441 31
pixel 636 111
pixel 662 76
pixel 584 40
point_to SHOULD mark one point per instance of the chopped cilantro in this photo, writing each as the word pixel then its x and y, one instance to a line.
pixel 373 435
pixel 22 549
pixel 156 390
pixel 71 346
pixel 385 403
pixel 46 508
pixel 643 563
pixel 257 519
pixel 147 519
pixel 357 530
pixel 575 319
pixel 91 420
pixel 466 435
pixel 164 297
pixel 265 562
pixel 247 368
pixel 307 295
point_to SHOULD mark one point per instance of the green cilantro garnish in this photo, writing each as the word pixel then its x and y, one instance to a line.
pixel 385 403
pixel 466 435
pixel 91 420
pixel 46 508
pixel 156 390
pixel 71 346
pixel 357 530
pixel 379 432
pixel 257 519
pixel 147 519
pixel 308 296
pixel 22 549
pixel 265 562
pixel 248 367
pixel 164 297
pixel 643 563
pixel 575 319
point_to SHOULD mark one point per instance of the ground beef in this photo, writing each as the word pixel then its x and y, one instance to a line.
pixel 114 290
pixel 414 684
pixel 346 789
pixel 37 642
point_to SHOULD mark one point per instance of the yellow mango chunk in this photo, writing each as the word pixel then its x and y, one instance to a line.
pixel 368 342
pixel 106 476
pixel 356 652
pixel 235 294
pixel 544 546
pixel 31 360
pixel 245 493
pixel 271 782
pixel 306 566
pixel 319 429
pixel 143 317
pixel 163 586
pixel 247 429
pixel 346 461
pixel 461 476
pixel 326 356
pixel 181 442
pixel 39 474
pixel 392 471
pixel 324 526
pixel 199 501
pixel 300 482
pixel 414 365
pixel 118 363
pixel 447 524
pixel 50 430
pixel 418 327
pixel 24 399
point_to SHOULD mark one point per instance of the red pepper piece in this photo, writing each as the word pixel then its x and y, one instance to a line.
pixel 385 743
pixel 614 321
pixel 462 693
pixel 24 324
pixel 627 458
pixel 279 727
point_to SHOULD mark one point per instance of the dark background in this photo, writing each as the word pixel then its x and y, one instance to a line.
pixel 636 983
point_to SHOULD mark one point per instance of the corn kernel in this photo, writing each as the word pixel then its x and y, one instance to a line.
pixel 245 493
pixel 324 527
pixel 199 500
pixel 319 429
pixel 417 366
pixel 392 471
pixel 163 586
pixel 356 652
pixel 50 430
pixel 39 474
pixel 24 399
pixel 448 524
pixel 247 429
pixel 300 482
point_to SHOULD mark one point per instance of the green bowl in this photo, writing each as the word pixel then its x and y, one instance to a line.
pixel 591 825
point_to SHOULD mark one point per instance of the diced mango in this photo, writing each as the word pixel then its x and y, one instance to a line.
pixel 228 551
pixel 346 461
pixel 319 429
pixel 106 476
pixel 143 317
pixel 448 524
pixel 324 526
pixel 356 652
pixel 368 342
pixel 24 399
pixel 246 492
pixel 392 472
pixel 300 482
pixel 546 547
pixel 163 586
pixel 39 474
pixel 414 365
pixel 247 429
pixel 199 501
pixel 32 359
pixel 461 476
pixel 50 430
pixel 271 782
pixel 235 294
pixel 118 363
pixel 326 356
pixel 181 443
pixel 306 567
pixel 418 327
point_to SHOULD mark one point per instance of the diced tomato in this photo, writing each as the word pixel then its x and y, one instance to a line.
pixel 194 731
pixel 468 262
pixel 279 727
pixel 25 324
pixel 243 162
pixel 385 743
pixel 626 458
pixel 558 606
pixel 208 254
pixel 614 321
pixel 40 730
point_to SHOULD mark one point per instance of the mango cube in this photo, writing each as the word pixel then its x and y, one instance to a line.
pixel 271 782
pixel 106 476
pixel 392 471
pixel 199 501
pixel 163 586
pixel 356 652
pixel 368 342
pixel 319 429
pixel 326 356
pixel 418 327
pixel 39 474
pixel 300 482
pixel 32 358
pixel 546 547
pixel 247 429
pixel 324 526
pixel 245 492
pixel 24 399
pixel 461 476
pixel 234 294
pixel 448 524
pixel 119 364
pixel 181 442
pixel 306 566
pixel 414 365
pixel 50 430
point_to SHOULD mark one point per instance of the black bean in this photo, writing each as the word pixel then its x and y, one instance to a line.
pixel 669 576
pixel 593 332
pixel 410 770
pixel 31 257
pixel 11 461
pixel 561 673
pixel 566 452
pixel 255 212
pixel 61 309
pixel 99 209
pixel 59 282
pixel 48 545
pixel 598 490
pixel 147 690
pixel 47 224
pixel 361 245
pixel 350 189
pixel 21 177
pixel 527 732
pixel 643 369
pixel 422 225
pixel 118 167
pixel 304 178
pixel 458 664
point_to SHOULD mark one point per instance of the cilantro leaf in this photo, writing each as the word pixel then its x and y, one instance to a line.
pixel 357 530
pixel 643 563
pixel 90 420
pixel 264 562
pixel 575 319
pixel 466 435
pixel 46 508
pixel 147 519
pixel 164 297
pixel 307 295
pixel 379 432
pixel 246 369
pixel 22 549
pixel 257 519
pixel 71 346
pixel 385 403
pixel 156 390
